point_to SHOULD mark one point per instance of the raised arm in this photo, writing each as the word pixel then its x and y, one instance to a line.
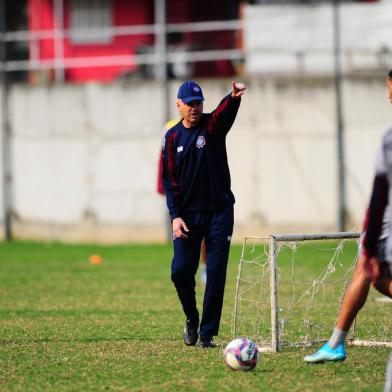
pixel 222 118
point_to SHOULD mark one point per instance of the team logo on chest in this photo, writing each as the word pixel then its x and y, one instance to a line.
pixel 200 142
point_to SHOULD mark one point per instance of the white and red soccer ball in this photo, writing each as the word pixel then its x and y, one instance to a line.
pixel 241 354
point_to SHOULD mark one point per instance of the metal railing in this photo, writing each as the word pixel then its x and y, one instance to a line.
pixel 59 61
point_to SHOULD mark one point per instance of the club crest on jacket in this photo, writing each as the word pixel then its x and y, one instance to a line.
pixel 200 142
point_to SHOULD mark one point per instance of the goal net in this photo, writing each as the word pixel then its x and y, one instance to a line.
pixel 290 287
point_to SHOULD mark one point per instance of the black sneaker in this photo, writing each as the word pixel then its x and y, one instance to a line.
pixel 206 342
pixel 190 333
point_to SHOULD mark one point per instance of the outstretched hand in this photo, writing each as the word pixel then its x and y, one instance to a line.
pixel 238 89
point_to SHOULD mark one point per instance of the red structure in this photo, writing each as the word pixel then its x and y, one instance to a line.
pixel 83 14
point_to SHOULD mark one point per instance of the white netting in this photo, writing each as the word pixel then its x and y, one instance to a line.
pixel 311 278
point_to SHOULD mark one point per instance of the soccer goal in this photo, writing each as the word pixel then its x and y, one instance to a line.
pixel 290 287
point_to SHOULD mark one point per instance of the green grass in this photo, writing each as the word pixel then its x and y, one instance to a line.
pixel 68 325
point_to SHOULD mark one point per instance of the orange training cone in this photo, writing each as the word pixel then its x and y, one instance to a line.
pixel 95 259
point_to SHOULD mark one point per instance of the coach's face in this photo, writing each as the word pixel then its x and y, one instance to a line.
pixel 389 87
pixel 190 112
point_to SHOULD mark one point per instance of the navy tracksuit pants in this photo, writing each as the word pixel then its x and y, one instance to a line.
pixel 217 228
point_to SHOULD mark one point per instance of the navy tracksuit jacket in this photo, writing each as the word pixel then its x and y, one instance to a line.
pixel 196 179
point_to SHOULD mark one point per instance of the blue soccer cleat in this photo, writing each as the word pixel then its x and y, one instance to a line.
pixel 327 354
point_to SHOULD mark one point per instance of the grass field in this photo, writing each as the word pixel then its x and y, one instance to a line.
pixel 69 325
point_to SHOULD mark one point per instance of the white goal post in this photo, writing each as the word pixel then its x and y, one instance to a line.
pixel 299 280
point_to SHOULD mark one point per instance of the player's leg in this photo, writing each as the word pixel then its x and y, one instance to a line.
pixel 218 238
pixel 353 300
pixel 354 297
pixel 388 381
pixel 183 270
pixel 384 286
pixel 384 283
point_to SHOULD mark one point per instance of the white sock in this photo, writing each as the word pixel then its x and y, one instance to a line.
pixel 338 336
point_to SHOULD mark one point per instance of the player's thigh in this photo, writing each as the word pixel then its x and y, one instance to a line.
pixel 383 283
pixel 359 270
pixel 187 252
pixel 221 225
pixel 218 238
pixel 359 273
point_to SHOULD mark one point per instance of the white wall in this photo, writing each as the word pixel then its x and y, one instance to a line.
pixel 300 38
pixel 85 157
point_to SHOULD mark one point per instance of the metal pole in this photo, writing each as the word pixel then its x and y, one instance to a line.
pixel 58 40
pixel 339 121
pixel 161 55
pixel 274 297
pixel 237 290
pixel 5 129
pixel 317 236
pixel 161 74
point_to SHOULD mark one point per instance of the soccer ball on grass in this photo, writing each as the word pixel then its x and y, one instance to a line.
pixel 241 354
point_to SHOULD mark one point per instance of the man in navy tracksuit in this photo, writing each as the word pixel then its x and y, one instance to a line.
pixel 196 179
